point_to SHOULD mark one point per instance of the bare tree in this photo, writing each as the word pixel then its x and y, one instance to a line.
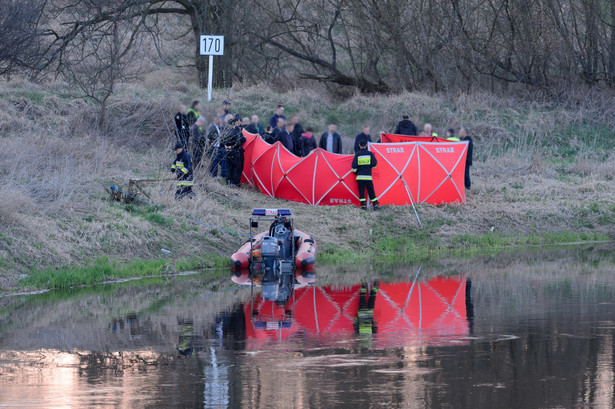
pixel 101 59
pixel 19 23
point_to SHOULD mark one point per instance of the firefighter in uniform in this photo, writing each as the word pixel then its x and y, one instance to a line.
pixel 233 143
pixel 362 164
pixel 181 169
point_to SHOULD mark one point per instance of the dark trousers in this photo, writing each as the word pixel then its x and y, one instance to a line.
pixel 234 166
pixel 183 191
pixel 218 159
pixel 369 185
pixel 467 182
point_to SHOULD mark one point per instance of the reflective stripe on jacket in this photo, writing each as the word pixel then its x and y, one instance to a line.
pixel 363 163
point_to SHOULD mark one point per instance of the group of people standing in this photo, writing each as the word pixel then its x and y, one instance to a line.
pixel 221 143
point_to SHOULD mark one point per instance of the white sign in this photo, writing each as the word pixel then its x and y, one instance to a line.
pixel 212 45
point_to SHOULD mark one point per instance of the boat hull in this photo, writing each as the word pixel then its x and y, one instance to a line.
pixel 305 255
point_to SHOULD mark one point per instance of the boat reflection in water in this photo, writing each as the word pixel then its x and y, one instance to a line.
pixel 434 312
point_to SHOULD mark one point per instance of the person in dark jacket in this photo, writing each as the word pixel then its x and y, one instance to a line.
pixel 279 127
pixel 199 141
pixel 279 113
pixel 405 127
pixel 362 164
pixel 307 141
pixel 296 134
pixel 284 136
pixel 255 126
pixel 463 136
pixel 217 151
pixel 181 169
pixel 268 136
pixel 233 144
pixel 363 135
pixel 182 128
pixel 331 141
pixel 226 107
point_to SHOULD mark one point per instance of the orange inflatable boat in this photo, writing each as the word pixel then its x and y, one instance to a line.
pixel 281 241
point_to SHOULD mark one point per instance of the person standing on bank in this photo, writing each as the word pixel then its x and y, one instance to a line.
pixel 405 127
pixel 296 134
pixel 463 136
pixel 331 141
pixel 199 141
pixel 193 112
pixel 362 164
pixel 279 113
pixel 182 128
pixel 181 169
pixel 233 144
pixel 363 135
pixel 308 141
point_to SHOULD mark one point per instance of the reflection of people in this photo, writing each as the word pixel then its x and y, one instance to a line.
pixel 365 318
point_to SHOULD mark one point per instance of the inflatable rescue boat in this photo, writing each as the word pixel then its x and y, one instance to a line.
pixel 280 242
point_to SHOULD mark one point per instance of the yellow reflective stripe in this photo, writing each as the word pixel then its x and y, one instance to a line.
pixel 453 139
pixel 364 160
pixel 364 177
pixel 354 170
pixel 173 166
pixel 375 200
pixel 434 134
pixel 179 164
pixel 361 200
pixel 185 183
pixel 184 170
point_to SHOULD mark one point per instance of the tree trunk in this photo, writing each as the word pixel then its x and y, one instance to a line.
pixel 214 17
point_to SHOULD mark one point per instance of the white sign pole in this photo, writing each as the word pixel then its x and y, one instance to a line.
pixel 210 77
pixel 211 45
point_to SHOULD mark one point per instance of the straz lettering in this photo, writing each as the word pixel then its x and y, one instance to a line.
pixel 445 150
pixel 340 201
pixel 395 150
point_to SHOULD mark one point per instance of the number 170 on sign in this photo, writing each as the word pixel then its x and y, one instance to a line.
pixel 212 45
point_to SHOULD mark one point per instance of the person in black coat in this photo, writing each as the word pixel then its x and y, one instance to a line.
pixel 233 143
pixel 405 127
pixel 279 127
pixel 285 137
pixel 181 169
pixel 296 135
pixel 308 141
pixel 331 141
pixel 268 136
pixel 199 141
pixel 363 135
pixel 463 136
pixel 182 128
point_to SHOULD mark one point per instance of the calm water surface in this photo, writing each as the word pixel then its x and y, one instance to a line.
pixel 530 331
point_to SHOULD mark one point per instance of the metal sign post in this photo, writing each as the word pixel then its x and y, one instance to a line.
pixel 211 45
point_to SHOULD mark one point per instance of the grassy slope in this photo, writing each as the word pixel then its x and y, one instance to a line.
pixel 543 174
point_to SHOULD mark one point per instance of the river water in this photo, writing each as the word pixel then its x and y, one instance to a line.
pixel 532 330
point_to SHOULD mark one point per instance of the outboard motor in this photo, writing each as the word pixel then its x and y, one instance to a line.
pixel 270 251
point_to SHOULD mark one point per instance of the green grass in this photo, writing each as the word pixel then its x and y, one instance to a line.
pixel 102 269
pixel 418 247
